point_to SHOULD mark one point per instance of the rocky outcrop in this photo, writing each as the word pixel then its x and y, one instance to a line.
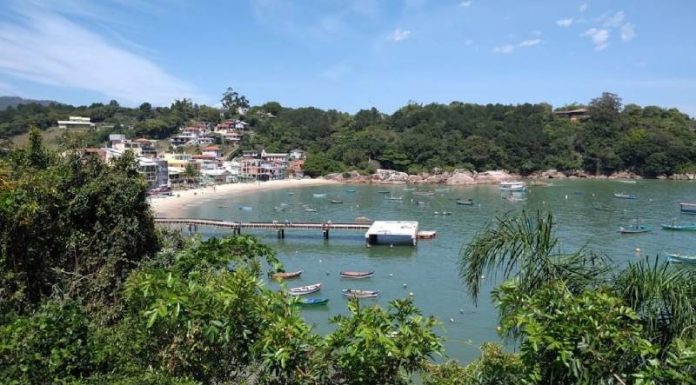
pixel 682 177
pixel 389 176
pixel 459 178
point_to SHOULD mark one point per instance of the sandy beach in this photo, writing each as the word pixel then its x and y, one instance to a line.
pixel 172 206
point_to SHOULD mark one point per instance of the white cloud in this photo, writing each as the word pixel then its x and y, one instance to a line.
pixel 615 20
pixel 582 7
pixel 506 48
pixel 465 3
pixel 565 22
pixel 529 43
pixel 628 32
pixel 510 48
pixel 599 37
pixel 50 49
pixel 399 35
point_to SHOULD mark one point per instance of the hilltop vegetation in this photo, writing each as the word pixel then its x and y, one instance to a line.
pixel 524 138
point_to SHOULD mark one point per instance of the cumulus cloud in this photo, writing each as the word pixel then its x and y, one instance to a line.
pixel 565 22
pixel 399 35
pixel 50 49
pixel 599 37
pixel 510 48
pixel 628 32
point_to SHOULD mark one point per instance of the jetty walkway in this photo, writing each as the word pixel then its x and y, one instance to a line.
pixel 279 226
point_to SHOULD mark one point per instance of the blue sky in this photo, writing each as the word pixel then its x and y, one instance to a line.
pixel 350 55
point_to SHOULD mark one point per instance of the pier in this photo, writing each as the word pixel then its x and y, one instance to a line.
pixel 384 232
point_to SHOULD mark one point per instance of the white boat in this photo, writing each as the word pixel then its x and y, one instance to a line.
pixel 319 195
pixel 304 290
pixel 513 185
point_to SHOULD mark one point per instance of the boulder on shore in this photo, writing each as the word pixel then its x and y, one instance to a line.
pixel 459 178
pixel 493 177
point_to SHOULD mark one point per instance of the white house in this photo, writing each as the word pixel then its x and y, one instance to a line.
pixel 76 122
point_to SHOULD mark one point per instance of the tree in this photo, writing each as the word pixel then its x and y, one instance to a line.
pixel 191 173
pixel 232 102
pixel 494 367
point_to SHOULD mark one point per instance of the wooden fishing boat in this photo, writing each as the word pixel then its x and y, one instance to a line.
pixel 678 258
pixel 355 293
pixel 633 229
pixel 336 201
pixel 467 202
pixel 304 290
pixel 313 301
pixel 310 210
pixel 383 192
pixel 687 208
pixel 286 275
pixel 624 196
pixel 676 227
pixel 356 274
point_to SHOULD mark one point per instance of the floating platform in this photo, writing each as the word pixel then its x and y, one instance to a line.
pixel 427 234
pixel 392 233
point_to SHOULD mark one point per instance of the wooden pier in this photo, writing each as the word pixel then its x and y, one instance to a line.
pixel 279 226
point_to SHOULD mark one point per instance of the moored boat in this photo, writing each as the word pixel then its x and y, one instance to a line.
pixel 424 193
pixel 245 208
pixel 395 198
pixel 383 192
pixel 356 274
pixel 633 229
pixel 304 290
pixel 312 301
pixel 624 196
pixel 286 275
pixel 678 258
pixel 319 195
pixel 687 208
pixel 336 201
pixel 513 185
pixel 676 227
pixel 356 293
pixel 465 202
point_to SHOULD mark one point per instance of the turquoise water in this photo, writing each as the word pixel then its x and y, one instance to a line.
pixel 429 271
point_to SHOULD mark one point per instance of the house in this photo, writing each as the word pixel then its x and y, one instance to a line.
pixel 296 154
pixel 573 115
pixel 213 151
pixel 178 160
pixel 184 138
pixel 296 168
pixel 76 122
pixel 274 157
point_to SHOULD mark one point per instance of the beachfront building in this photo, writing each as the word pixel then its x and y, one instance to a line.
pixel 178 160
pixel 213 151
pixel 76 122
pixel 296 168
pixel 296 154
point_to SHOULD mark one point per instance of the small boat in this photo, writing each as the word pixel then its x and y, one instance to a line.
pixel 286 275
pixel 427 234
pixel 304 290
pixel 513 186
pixel 356 274
pixel 467 202
pixel 424 193
pixel 599 207
pixel 310 210
pixel 321 195
pixel 633 229
pixel 350 190
pixel 624 196
pixel 291 193
pixel 678 258
pixel 687 208
pixel 676 227
pixel 395 198
pixel 446 213
pixel 363 220
pixel 355 293
pixel 245 208
pixel 627 181
pixel 336 201
pixel 442 189
pixel 383 192
pixel 312 301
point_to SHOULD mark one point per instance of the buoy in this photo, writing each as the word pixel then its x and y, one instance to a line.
pixel 451 320
pixel 327 273
pixel 566 197
pixel 405 285
pixel 391 275
pixel 320 260
pixel 461 311
pixel 483 276
pixel 411 294
pixel 392 245
pixel 637 249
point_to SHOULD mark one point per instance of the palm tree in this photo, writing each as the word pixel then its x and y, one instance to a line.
pixel 526 249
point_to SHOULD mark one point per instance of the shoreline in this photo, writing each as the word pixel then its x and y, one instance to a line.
pixel 170 206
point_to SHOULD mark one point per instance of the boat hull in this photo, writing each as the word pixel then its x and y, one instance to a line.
pixel 308 302
pixel 356 274
pixel 679 227
pixel 681 258
pixel 304 290
pixel 284 276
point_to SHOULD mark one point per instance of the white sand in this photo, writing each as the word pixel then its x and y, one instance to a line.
pixel 174 205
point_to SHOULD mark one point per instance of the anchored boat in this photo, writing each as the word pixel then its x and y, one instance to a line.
pixel 286 275
pixel 304 290
pixel 355 293
pixel 633 229
pixel 313 301
pixel 465 202
pixel 356 274
pixel 678 258
pixel 624 196
pixel 676 227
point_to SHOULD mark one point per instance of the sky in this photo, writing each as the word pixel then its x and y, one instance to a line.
pixel 350 55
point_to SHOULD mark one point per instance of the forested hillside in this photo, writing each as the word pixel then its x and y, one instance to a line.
pixel 523 138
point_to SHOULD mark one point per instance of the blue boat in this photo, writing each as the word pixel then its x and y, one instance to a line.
pixel 313 301
pixel 624 196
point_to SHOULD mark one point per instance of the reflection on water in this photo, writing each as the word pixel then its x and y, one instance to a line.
pixel 586 212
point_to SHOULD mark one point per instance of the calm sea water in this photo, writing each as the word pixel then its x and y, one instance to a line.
pixel 430 270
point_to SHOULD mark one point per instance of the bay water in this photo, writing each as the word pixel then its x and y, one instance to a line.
pixel 586 213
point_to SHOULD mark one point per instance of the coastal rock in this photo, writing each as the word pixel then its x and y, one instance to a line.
pixel 683 177
pixel 550 174
pixel 389 176
pixel 461 178
pixel 334 176
pixel 415 179
pixel 624 175
pixel 495 176
pixel 436 179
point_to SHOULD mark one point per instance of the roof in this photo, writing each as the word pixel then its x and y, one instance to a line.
pixel 393 227
pixel 211 148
